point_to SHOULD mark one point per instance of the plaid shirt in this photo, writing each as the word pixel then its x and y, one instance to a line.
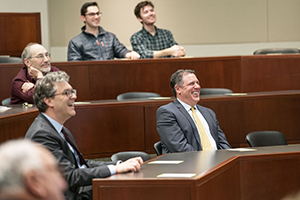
pixel 145 44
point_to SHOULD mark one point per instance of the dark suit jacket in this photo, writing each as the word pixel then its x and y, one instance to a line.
pixel 43 132
pixel 179 133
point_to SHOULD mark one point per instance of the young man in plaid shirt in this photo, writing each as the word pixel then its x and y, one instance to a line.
pixel 152 42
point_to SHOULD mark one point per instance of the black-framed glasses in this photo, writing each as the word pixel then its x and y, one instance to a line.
pixel 41 56
pixel 94 14
pixel 68 93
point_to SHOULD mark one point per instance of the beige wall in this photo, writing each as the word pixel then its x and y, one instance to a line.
pixel 191 21
pixel 203 27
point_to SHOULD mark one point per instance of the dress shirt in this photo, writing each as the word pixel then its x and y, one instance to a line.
pixel 203 121
pixel 144 43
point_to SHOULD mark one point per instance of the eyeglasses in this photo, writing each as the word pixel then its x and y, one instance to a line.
pixel 41 56
pixel 68 93
pixel 94 14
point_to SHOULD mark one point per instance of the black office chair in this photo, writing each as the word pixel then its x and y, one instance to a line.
pixel 125 155
pixel 137 95
pixel 276 51
pixel 210 91
pixel 157 148
pixel 265 138
pixel 4 59
pixel 5 102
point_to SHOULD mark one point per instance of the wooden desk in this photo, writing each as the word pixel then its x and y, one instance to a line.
pixel 99 80
pixel 268 173
pixel 108 126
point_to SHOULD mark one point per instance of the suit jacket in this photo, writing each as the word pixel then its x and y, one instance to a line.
pixel 179 133
pixel 43 132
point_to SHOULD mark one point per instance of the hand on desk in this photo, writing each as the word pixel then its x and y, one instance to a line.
pixel 132 55
pixel 177 51
pixel 133 164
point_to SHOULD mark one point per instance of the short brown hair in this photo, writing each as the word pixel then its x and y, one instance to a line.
pixel 141 5
pixel 176 78
pixel 85 6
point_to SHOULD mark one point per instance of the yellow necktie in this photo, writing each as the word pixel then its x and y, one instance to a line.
pixel 206 145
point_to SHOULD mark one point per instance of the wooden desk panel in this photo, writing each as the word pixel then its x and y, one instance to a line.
pixel 17 30
pixel 108 126
pixel 7 73
pixel 106 129
pixel 261 174
pixel 100 80
pixel 270 73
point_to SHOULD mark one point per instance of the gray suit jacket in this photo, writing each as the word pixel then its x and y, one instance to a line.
pixel 43 132
pixel 178 131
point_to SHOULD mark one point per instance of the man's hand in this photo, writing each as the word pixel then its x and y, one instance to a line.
pixel 132 55
pixel 133 164
pixel 34 73
pixel 27 86
pixel 177 51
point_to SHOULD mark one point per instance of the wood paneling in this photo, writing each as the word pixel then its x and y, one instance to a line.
pixel 17 30
pixel 100 80
pixel 102 128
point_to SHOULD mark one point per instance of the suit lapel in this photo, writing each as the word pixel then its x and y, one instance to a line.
pixel 209 121
pixel 189 118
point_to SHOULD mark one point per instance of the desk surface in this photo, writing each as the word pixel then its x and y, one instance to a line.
pixel 269 173
pixel 200 162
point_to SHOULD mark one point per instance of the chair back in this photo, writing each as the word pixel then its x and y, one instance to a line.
pixel 136 95
pixel 265 138
pixel 276 51
pixel 210 91
pixel 5 102
pixel 157 148
pixel 125 155
pixel 4 59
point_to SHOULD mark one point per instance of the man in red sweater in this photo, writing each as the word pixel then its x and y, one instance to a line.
pixel 36 61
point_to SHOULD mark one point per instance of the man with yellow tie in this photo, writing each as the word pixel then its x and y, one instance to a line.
pixel 185 126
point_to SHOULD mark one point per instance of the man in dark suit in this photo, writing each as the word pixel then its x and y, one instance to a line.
pixel 55 98
pixel 185 126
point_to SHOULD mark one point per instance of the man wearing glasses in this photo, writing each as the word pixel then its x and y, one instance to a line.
pixel 94 43
pixel 55 97
pixel 36 61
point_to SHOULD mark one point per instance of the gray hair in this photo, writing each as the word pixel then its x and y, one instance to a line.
pixel 44 88
pixel 17 157
pixel 176 78
pixel 27 52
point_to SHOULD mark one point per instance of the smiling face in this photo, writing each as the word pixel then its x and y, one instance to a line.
pixel 188 90
pixel 91 21
pixel 148 16
pixel 38 59
pixel 61 107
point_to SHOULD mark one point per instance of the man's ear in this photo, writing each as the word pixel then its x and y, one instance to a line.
pixel 140 20
pixel 177 89
pixel 48 101
pixel 83 18
pixel 34 184
pixel 27 62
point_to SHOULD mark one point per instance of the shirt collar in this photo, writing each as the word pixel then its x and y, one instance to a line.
pixel 58 127
pixel 186 106
pixel 144 30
